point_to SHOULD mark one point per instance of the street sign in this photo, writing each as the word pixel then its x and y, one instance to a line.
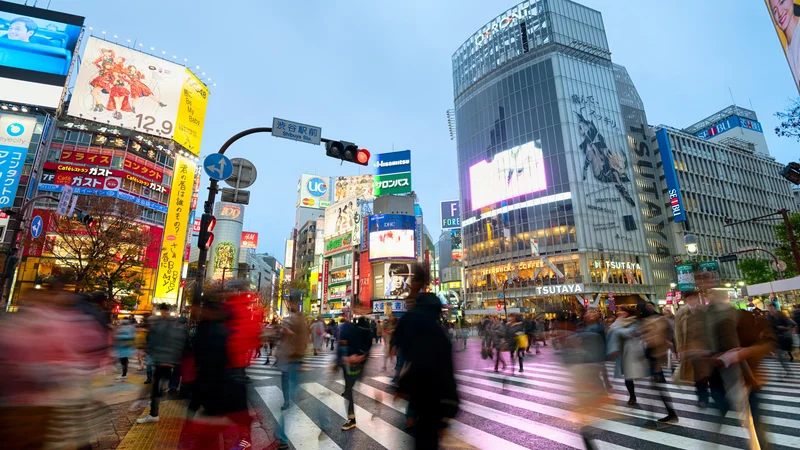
pixel 781 266
pixel 218 167
pixel 37 226
pixel 296 131
pixel 500 296
pixel 63 202
pixel 499 306
pixel 244 174
pixel 728 258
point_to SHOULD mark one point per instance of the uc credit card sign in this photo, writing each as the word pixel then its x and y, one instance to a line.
pixel 15 138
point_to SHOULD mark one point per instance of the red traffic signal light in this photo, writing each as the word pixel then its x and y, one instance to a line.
pixel 362 157
pixel 347 151
pixel 206 237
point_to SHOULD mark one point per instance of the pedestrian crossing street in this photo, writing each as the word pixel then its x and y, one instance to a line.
pixel 535 409
pixel 259 371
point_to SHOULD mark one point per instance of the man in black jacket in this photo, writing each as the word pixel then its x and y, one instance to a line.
pixel 354 342
pixel 427 378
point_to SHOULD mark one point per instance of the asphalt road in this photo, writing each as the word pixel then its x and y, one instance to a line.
pixel 535 409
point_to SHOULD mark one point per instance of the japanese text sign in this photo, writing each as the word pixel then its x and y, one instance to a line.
pixel 15 138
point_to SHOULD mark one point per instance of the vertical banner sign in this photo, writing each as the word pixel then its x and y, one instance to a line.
pixel 784 19
pixel 325 271
pixel 175 229
pixel 671 177
pixel 191 114
pixel 15 138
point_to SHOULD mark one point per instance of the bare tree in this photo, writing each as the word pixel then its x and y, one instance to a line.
pixel 106 254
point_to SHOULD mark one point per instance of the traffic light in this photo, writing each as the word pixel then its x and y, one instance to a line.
pixel 10 265
pixel 206 237
pixel 347 151
pixel 84 218
pixel 792 172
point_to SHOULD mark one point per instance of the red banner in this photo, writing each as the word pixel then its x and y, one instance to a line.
pixel 249 239
pixel 365 280
pixel 86 158
pixel 143 170
pixel 153 251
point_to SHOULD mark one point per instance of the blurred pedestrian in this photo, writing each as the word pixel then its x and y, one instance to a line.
pixel 378 331
pixel 626 349
pixel 499 342
pixel 427 378
pixel 333 330
pixel 124 348
pixel 782 327
pixel 318 334
pixel 692 346
pixel 166 342
pixel 388 331
pixel 291 350
pixel 356 341
pixel 517 340
pixel 655 335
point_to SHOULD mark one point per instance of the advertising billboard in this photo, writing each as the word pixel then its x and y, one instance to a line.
pixel 170 263
pixel 391 236
pixel 133 90
pixel 249 239
pixel 397 283
pixel 36 51
pixel 685 277
pixel 15 138
pixel 510 173
pixel 785 16
pixel 314 191
pixel 671 177
pixel 360 186
pixel 394 162
pixel 288 256
pixel 451 215
pixel 394 184
pixel 341 217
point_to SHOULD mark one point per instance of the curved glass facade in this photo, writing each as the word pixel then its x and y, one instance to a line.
pixel 550 214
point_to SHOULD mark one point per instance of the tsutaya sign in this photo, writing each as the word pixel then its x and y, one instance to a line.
pixel 616 265
pixel 559 289
pixel 502 22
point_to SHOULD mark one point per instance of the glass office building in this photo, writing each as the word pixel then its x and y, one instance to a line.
pixel 551 213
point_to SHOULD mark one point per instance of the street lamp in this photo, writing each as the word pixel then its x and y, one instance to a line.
pixel 741 283
pixel 673 285
pixel 690 242
pixel 727 285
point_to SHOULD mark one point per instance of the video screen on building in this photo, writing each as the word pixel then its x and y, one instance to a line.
pixel 517 171
pixel 391 244
pixel 36 51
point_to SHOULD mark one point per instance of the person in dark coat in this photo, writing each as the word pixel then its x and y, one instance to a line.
pixel 427 378
pixel 355 342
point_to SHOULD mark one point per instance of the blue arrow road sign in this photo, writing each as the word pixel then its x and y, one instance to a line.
pixel 218 166
pixel 37 225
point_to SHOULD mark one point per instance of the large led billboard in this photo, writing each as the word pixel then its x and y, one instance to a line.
pixel 786 19
pixel 36 50
pixel 126 88
pixel 391 236
pixel 510 173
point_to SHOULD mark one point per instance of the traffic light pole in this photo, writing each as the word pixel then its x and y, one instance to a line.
pixel 208 208
pixel 784 213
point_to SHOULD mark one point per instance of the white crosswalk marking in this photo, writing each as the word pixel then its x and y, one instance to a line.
pixel 300 429
pixel 539 405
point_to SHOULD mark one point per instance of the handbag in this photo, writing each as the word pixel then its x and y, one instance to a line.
pixel 522 341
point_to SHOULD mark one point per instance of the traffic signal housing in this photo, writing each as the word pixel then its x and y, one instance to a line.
pixel 206 237
pixel 792 172
pixel 347 151
pixel 84 218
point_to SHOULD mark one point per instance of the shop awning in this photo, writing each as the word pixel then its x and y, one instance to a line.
pixel 773 287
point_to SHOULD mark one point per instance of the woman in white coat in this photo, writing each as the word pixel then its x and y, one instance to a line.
pixel 627 349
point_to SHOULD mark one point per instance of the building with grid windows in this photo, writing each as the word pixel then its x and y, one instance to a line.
pixel 720 169
pixel 557 210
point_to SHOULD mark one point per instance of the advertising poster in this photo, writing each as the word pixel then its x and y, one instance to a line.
pixel 36 52
pixel 224 255
pixel 456 250
pixel 451 215
pixel 397 280
pixel 785 16
pixel 314 191
pixel 359 186
pixel 392 173
pixel 686 277
pixel 365 279
pixel 511 173
pixel 15 138
pixel 341 217
pixel 391 236
pixel 288 256
pixel 136 91
pixel 707 275
pixel 175 231
pixel 249 239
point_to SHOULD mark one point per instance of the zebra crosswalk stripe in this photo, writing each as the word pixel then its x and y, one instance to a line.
pixel 301 431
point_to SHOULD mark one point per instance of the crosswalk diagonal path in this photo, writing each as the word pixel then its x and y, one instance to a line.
pixel 534 409
pixel 259 370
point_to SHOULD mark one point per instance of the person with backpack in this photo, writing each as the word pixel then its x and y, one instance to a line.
pixel 517 340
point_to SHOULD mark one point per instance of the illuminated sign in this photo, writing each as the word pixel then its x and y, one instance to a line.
pixel 93 159
pixel 451 214
pixel 670 176
pixel 394 162
pixel 338 244
pixel 143 170
pixel 231 211
pixel 392 244
pixel 249 239
pixel 559 289
pixel 512 267
pixel 729 124
pixel 15 138
pixel 394 184
pixel 616 265
pixel 511 173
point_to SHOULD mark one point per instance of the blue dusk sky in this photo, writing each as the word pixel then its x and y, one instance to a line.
pixel 379 74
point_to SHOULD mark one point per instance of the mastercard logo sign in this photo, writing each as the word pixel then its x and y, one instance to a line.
pixel 308 202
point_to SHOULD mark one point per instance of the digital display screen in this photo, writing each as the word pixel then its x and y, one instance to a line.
pixel 510 173
pixel 391 244
pixel 36 51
